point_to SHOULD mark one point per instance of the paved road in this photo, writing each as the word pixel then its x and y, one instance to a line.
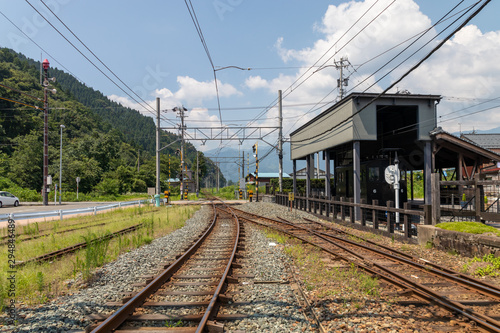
pixel 38 207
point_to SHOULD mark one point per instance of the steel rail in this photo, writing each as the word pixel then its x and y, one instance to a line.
pixel 210 311
pixel 418 289
pixel 76 247
pixel 48 234
pixel 124 312
pixel 467 281
pixel 458 277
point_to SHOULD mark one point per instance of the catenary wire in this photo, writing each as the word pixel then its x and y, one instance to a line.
pixel 95 55
pixel 87 58
pixel 437 47
pixel 41 48
pixel 197 25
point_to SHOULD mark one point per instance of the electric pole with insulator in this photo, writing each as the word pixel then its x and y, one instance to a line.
pixel 342 82
pixel 45 189
pixel 255 149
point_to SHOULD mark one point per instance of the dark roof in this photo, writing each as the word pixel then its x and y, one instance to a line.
pixel 366 95
pixel 487 140
pixel 455 143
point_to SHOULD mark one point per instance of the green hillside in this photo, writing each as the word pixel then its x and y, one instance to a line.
pixel 110 147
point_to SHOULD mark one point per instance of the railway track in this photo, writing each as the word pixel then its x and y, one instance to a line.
pixel 418 279
pixel 191 288
pixel 73 248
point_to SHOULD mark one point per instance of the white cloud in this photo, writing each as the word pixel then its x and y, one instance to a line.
pixel 191 92
pixel 195 92
pixel 466 66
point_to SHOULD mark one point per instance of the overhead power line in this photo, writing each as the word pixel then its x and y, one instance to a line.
pixel 294 85
pixel 197 26
pixel 22 93
pixel 437 47
pixel 22 103
pixel 41 48
pixel 87 58
pixel 71 31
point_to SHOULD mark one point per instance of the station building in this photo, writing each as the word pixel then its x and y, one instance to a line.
pixel 367 127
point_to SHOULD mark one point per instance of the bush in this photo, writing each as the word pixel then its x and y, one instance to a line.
pixel 108 187
pixel 139 185
pixel 22 193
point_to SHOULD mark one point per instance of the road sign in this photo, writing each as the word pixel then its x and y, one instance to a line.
pixel 392 174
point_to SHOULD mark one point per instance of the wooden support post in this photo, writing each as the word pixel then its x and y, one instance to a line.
pixel 479 200
pixel 436 198
pixel 363 210
pixel 428 214
pixel 390 222
pixel 407 221
pixel 342 209
pixel 351 211
pixel 375 214
pixel 327 208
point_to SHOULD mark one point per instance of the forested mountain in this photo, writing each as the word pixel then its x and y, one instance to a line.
pixel 110 147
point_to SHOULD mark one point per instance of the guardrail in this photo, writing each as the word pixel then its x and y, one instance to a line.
pixel 61 212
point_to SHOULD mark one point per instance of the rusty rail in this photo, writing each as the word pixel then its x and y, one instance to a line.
pixel 389 275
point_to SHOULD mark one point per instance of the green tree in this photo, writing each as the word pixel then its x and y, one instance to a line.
pixel 26 163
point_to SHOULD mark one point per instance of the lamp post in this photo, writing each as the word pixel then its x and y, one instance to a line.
pixel 60 164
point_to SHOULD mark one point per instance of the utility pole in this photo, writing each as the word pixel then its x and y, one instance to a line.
pixel 45 190
pixel 60 165
pixel 255 148
pixel 197 175
pixel 340 65
pixel 181 112
pixel 280 142
pixel 181 115
pixel 243 165
pixel 158 145
pixel 218 177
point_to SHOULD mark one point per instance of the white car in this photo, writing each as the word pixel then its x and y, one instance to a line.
pixel 7 199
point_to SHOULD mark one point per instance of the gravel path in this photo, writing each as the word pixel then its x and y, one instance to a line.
pixel 275 306
pixel 67 313
pixel 340 310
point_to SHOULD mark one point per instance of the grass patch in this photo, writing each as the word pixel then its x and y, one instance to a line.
pixel 469 227
pixel 488 265
pixel 327 281
pixel 37 283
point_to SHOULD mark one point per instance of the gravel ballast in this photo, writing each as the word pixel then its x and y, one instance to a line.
pixel 273 306
pixel 68 313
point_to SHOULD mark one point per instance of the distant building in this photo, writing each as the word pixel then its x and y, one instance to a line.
pixel 265 177
pixel 301 174
pixel 189 182
pixel 487 141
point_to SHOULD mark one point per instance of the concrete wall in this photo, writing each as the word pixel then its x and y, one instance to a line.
pixel 466 244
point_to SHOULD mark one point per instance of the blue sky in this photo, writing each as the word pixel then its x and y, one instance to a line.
pixel 154 48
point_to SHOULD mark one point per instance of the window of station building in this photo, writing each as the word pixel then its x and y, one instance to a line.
pixel 373 174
